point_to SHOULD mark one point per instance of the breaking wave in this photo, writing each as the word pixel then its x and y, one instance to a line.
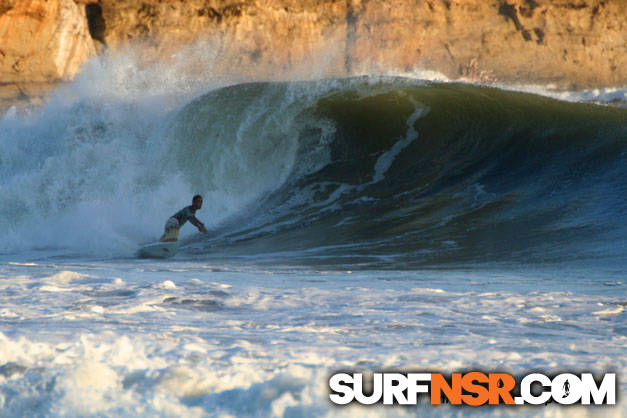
pixel 363 171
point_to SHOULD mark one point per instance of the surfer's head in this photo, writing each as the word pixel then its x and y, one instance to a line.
pixel 197 201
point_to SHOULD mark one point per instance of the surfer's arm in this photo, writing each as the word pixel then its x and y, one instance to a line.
pixel 201 227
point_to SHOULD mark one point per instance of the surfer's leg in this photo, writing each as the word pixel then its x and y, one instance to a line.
pixel 171 233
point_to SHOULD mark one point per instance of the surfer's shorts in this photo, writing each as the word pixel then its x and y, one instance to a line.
pixel 171 230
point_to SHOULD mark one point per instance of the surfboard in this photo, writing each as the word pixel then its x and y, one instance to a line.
pixel 158 250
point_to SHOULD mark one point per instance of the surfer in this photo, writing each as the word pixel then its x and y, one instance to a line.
pixel 177 220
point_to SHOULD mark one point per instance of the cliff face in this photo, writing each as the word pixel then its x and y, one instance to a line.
pixel 252 38
pixel 570 43
pixel 41 42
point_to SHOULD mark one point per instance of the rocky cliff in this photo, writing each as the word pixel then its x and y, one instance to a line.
pixel 41 42
pixel 569 43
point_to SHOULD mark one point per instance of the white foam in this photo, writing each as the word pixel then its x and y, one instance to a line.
pixel 94 171
pixel 168 284
pixel 615 95
pixel 609 95
pixel 384 162
pixel 610 311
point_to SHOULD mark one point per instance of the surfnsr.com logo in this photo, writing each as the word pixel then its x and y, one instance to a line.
pixel 472 388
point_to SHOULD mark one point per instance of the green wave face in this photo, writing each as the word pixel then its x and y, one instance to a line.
pixel 394 171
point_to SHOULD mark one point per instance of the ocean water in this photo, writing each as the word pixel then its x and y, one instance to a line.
pixel 370 223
